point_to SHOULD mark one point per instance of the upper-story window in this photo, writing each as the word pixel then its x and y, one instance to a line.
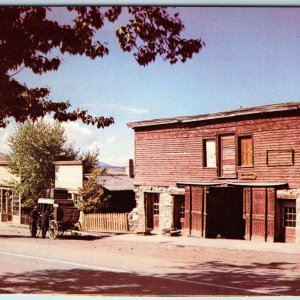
pixel 245 151
pixel 209 153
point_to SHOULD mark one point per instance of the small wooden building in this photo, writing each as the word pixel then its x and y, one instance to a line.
pixel 233 174
pixel 118 184
pixel 69 175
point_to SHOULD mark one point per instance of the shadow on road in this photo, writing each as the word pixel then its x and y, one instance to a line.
pixel 211 278
pixel 64 237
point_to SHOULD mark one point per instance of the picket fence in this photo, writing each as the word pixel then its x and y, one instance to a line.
pixel 107 222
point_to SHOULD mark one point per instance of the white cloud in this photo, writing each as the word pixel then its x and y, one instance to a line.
pixel 111 139
pixel 135 110
pixel 5 133
pixel 82 136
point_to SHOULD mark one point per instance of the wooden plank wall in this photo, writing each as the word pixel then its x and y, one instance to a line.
pixel 260 214
pixel 164 156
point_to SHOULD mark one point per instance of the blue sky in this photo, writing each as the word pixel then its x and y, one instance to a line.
pixel 251 58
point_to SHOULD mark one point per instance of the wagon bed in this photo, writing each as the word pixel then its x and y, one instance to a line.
pixel 64 216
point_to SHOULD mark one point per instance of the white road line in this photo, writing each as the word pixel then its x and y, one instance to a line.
pixel 64 262
pixel 141 274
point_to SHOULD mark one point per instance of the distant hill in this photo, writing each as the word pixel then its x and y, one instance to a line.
pixel 108 166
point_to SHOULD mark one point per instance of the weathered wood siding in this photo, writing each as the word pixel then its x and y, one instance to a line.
pixel 166 155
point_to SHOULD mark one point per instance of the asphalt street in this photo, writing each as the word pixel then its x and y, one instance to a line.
pixel 131 265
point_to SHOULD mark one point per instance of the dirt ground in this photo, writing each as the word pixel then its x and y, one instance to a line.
pixel 178 265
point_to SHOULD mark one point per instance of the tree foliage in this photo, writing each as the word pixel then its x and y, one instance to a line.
pixel 89 160
pixel 93 196
pixel 33 149
pixel 28 35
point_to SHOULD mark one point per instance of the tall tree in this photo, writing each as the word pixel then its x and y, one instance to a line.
pixel 34 148
pixel 28 34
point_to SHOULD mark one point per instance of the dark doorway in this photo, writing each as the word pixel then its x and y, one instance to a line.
pixel 224 208
pixel 178 211
pixel 152 210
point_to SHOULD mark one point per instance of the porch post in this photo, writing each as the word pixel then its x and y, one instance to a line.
pixel 1 205
pixel 297 233
pixel 204 214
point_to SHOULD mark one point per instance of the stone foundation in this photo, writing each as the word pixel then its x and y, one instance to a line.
pixel 137 221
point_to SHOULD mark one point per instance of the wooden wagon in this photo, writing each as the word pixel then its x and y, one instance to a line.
pixel 64 216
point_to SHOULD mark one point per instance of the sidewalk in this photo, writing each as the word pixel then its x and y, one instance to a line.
pixel 181 241
pixel 186 241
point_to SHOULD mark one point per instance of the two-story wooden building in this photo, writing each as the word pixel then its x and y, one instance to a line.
pixel 233 174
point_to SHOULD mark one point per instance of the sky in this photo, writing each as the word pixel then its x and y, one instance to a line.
pixel 251 58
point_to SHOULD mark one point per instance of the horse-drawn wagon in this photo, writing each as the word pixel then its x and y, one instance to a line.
pixel 64 216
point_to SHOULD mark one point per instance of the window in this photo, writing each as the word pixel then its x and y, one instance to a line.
pixel 289 217
pixel 209 153
pixel 182 209
pixel 245 154
pixel 155 204
pixel 16 205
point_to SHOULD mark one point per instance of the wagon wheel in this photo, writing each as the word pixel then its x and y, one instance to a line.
pixel 53 229
pixel 78 227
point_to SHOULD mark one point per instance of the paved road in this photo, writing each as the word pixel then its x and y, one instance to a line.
pixel 111 266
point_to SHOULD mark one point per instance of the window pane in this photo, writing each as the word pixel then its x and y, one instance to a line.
pixel 155 204
pixel 290 217
pixel 210 153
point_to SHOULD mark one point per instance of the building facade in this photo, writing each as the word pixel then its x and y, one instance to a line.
pixel 231 174
pixel 10 206
pixel 69 175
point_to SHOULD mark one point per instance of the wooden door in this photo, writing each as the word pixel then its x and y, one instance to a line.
pixel 196 211
pixel 152 210
pixel 194 222
pixel 247 211
pixel 259 213
pixel 227 156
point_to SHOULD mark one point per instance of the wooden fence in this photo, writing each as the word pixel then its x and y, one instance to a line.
pixel 108 222
pixel 25 218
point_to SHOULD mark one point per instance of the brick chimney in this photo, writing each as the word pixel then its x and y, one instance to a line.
pixel 130 168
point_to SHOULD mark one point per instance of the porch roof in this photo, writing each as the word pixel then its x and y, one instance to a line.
pixel 182 184
pixel 250 184
pixel 259 184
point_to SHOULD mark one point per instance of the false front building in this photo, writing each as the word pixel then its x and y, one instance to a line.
pixel 233 174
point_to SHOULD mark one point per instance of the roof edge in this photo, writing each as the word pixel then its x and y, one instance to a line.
pixel 218 115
